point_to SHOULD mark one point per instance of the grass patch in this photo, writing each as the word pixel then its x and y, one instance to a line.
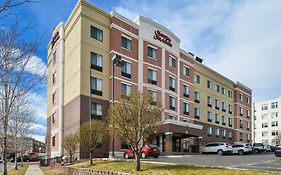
pixel 154 169
pixel 52 171
pixel 20 171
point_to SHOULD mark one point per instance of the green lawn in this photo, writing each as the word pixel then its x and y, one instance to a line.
pixel 51 171
pixel 20 171
pixel 153 169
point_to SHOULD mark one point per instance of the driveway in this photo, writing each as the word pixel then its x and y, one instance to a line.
pixel 265 161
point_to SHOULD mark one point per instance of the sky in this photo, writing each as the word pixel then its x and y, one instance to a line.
pixel 239 39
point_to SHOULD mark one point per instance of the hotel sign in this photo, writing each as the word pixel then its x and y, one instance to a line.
pixel 162 37
pixel 55 38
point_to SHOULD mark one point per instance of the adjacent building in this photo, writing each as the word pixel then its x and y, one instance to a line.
pixel 200 105
pixel 266 118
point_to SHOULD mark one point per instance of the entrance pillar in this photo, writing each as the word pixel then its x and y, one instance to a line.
pixel 168 143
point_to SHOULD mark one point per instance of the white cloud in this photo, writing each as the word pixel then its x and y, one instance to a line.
pixel 38 137
pixel 36 66
pixel 239 39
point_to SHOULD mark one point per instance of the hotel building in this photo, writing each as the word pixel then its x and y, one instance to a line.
pixel 266 119
pixel 200 105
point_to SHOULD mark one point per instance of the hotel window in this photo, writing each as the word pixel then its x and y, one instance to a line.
pixel 218 88
pixel 54 78
pixel 125 90
pixel 230 109
pixel 152 77
pixel 185 108
pixel 96 61
pixel 274 133
pixel 152 52
pixel 153 95
pixel 224 133
pixel 264 125
pixel 223 90
pixel 229 94
pixel 241 136
pixel 264 107
pixel 274 124
pixel 274 105
pixel 54 141
pixel 197 79
pixel 230 122
pixel 274 114
pixel 230 135
pixel 172 102
pixel 96 86
pixel 54 57
pixel 217 118
pixel 186 91
pixel 248 100
pixel 217 132
pixel 241 111
pixel 264 116
pixel 264 133
pixel 54 98
pixel 209 101
pixel 209 131
pixel 197 97
pixel 126 43
pixel 172 62
pixel 255 126
pixel 96 33
pixel 217 104
pixel 248 137
pixel 241 97
pixel 248 125
pixel 209 84
pixel 223 106
pixel 54 118
pixel 248 113
pixel 96 111
pixel 223 118
pixel 185 71
pixel 197 113
pixel 209 115
pixel 126 69
pixel 172 84
pixel 241 124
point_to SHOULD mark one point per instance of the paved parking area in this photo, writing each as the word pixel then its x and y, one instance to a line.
pixel 265 161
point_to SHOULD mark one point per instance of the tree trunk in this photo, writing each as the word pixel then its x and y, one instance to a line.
pixel 138 162
pixel 91 157
pixel 5 145
pixel 16 162
pixel 70 158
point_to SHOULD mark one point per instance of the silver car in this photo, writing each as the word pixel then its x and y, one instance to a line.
pixel 217 147
pixel 242 148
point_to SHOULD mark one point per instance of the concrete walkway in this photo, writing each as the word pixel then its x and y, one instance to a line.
pixel 34 170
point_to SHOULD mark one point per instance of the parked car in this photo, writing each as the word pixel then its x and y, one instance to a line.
pixel 146 151
pixel 269 148
pixel 217 147
pixel 258 148
pixel 1 161
pixel 277 151
pixel 242 148
pixel 24 159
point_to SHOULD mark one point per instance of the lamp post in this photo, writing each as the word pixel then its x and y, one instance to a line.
pixel 118 62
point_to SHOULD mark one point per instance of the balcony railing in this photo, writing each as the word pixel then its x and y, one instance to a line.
pixel 172 108
pixel 209 105
pixel 124 74
pixel 152 81
pixel 172 89
pixel 98 68
pixel 96 92
pixel 186 95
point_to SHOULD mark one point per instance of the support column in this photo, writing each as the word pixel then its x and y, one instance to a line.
pixel 168 143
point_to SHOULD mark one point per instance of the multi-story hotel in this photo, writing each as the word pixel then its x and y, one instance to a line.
pixel 200 105
pixel 266 119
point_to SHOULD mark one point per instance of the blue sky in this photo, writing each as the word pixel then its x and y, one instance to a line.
pixel 239 39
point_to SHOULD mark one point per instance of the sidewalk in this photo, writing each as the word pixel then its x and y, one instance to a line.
pixel 34 170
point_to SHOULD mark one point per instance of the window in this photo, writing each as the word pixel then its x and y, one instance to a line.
pixel 217 104
pixel 96 111
pixel 54 98
pixel 248 113
pixel 172 83
pixel 217 118
pixel 153 95
pixel 223 90
pixel 241 136
pixel 230 135
pixel 126 69
pixel 223 118
pixel 172 62
pixel 152 77
pixel 229 94
pixel 248 125
pixel 264 125
pixel 209 84
pixel 274 133
pixel 96 33
pixel 218 88
pixel 230 109
pixel 54 57
pixel 224 133
pixel 54 118
pixel 96 86
pixel 209 131
pixel 217 132
pixel 264 107
pixel 230 122
pixel 125 90
pixel 241 97
pixel 223 106
pixel 186 91
pixel 152 52
pixel 241 111
pixel 197 113
pixel 209 114
pixel 209 101
pixel 172 101
pixel 274 105
pixel 197 97
pixel 172 117
pixel 274 114
pixel 248 100
pixel 264 116
pixel 185 108
pixel 54 78
pixel 264 133
pixel 54 141
pixel 197 79
pixel 241 124
pixel 274 124
pixel 96 61
pixel 185 71
pixel 248 137
pixel 126 43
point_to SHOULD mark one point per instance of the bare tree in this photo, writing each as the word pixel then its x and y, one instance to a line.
pixel 8 4
pixel 91 135
pixel 136 120
pixel 71 145
pixel 20 74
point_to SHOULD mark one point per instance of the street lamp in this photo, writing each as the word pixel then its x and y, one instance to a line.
pixel 117 60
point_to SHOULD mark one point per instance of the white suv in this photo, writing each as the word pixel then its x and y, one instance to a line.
pixel 242 148
pixel 217 147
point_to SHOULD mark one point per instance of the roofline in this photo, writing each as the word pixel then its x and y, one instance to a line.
pixel 244 86
pixel 122 18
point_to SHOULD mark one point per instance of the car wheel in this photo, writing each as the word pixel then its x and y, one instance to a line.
pixel 240 152
pixel 155 156
pixel 220 152
pixel 126 156
pixel 143 155
pixel 256 151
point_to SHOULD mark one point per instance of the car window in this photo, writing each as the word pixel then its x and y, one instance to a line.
pixel 152 146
